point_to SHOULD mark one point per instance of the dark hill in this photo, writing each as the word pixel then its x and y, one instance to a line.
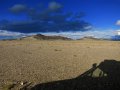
pixel 43 37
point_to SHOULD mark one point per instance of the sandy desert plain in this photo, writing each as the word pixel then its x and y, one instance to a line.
pixel 40 61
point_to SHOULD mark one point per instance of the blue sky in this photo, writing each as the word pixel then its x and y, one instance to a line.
pixel 32 16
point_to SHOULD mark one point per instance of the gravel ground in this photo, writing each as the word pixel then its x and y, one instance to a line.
pixel 43 61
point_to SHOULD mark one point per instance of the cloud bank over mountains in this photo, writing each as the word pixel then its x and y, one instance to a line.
pixel 74 35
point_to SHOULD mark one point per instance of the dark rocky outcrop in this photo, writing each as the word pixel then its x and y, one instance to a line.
pixel 43 37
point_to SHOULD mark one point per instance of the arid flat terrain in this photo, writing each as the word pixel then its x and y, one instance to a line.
pixel 40 61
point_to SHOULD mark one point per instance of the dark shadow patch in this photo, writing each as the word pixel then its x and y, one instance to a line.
pixel 75 55
pixel 105 76
pixel 57 50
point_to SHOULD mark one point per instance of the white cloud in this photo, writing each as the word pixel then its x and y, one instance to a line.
pixel 79 34
pixel 9 33
pixel 88 27
pixel 18 8
pixel 118 32
pixel 54 5
pixel 118 23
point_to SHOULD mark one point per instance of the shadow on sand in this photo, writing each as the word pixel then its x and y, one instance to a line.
pixel 102 77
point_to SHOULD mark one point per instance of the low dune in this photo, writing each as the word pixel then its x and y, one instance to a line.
pixel 40 61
